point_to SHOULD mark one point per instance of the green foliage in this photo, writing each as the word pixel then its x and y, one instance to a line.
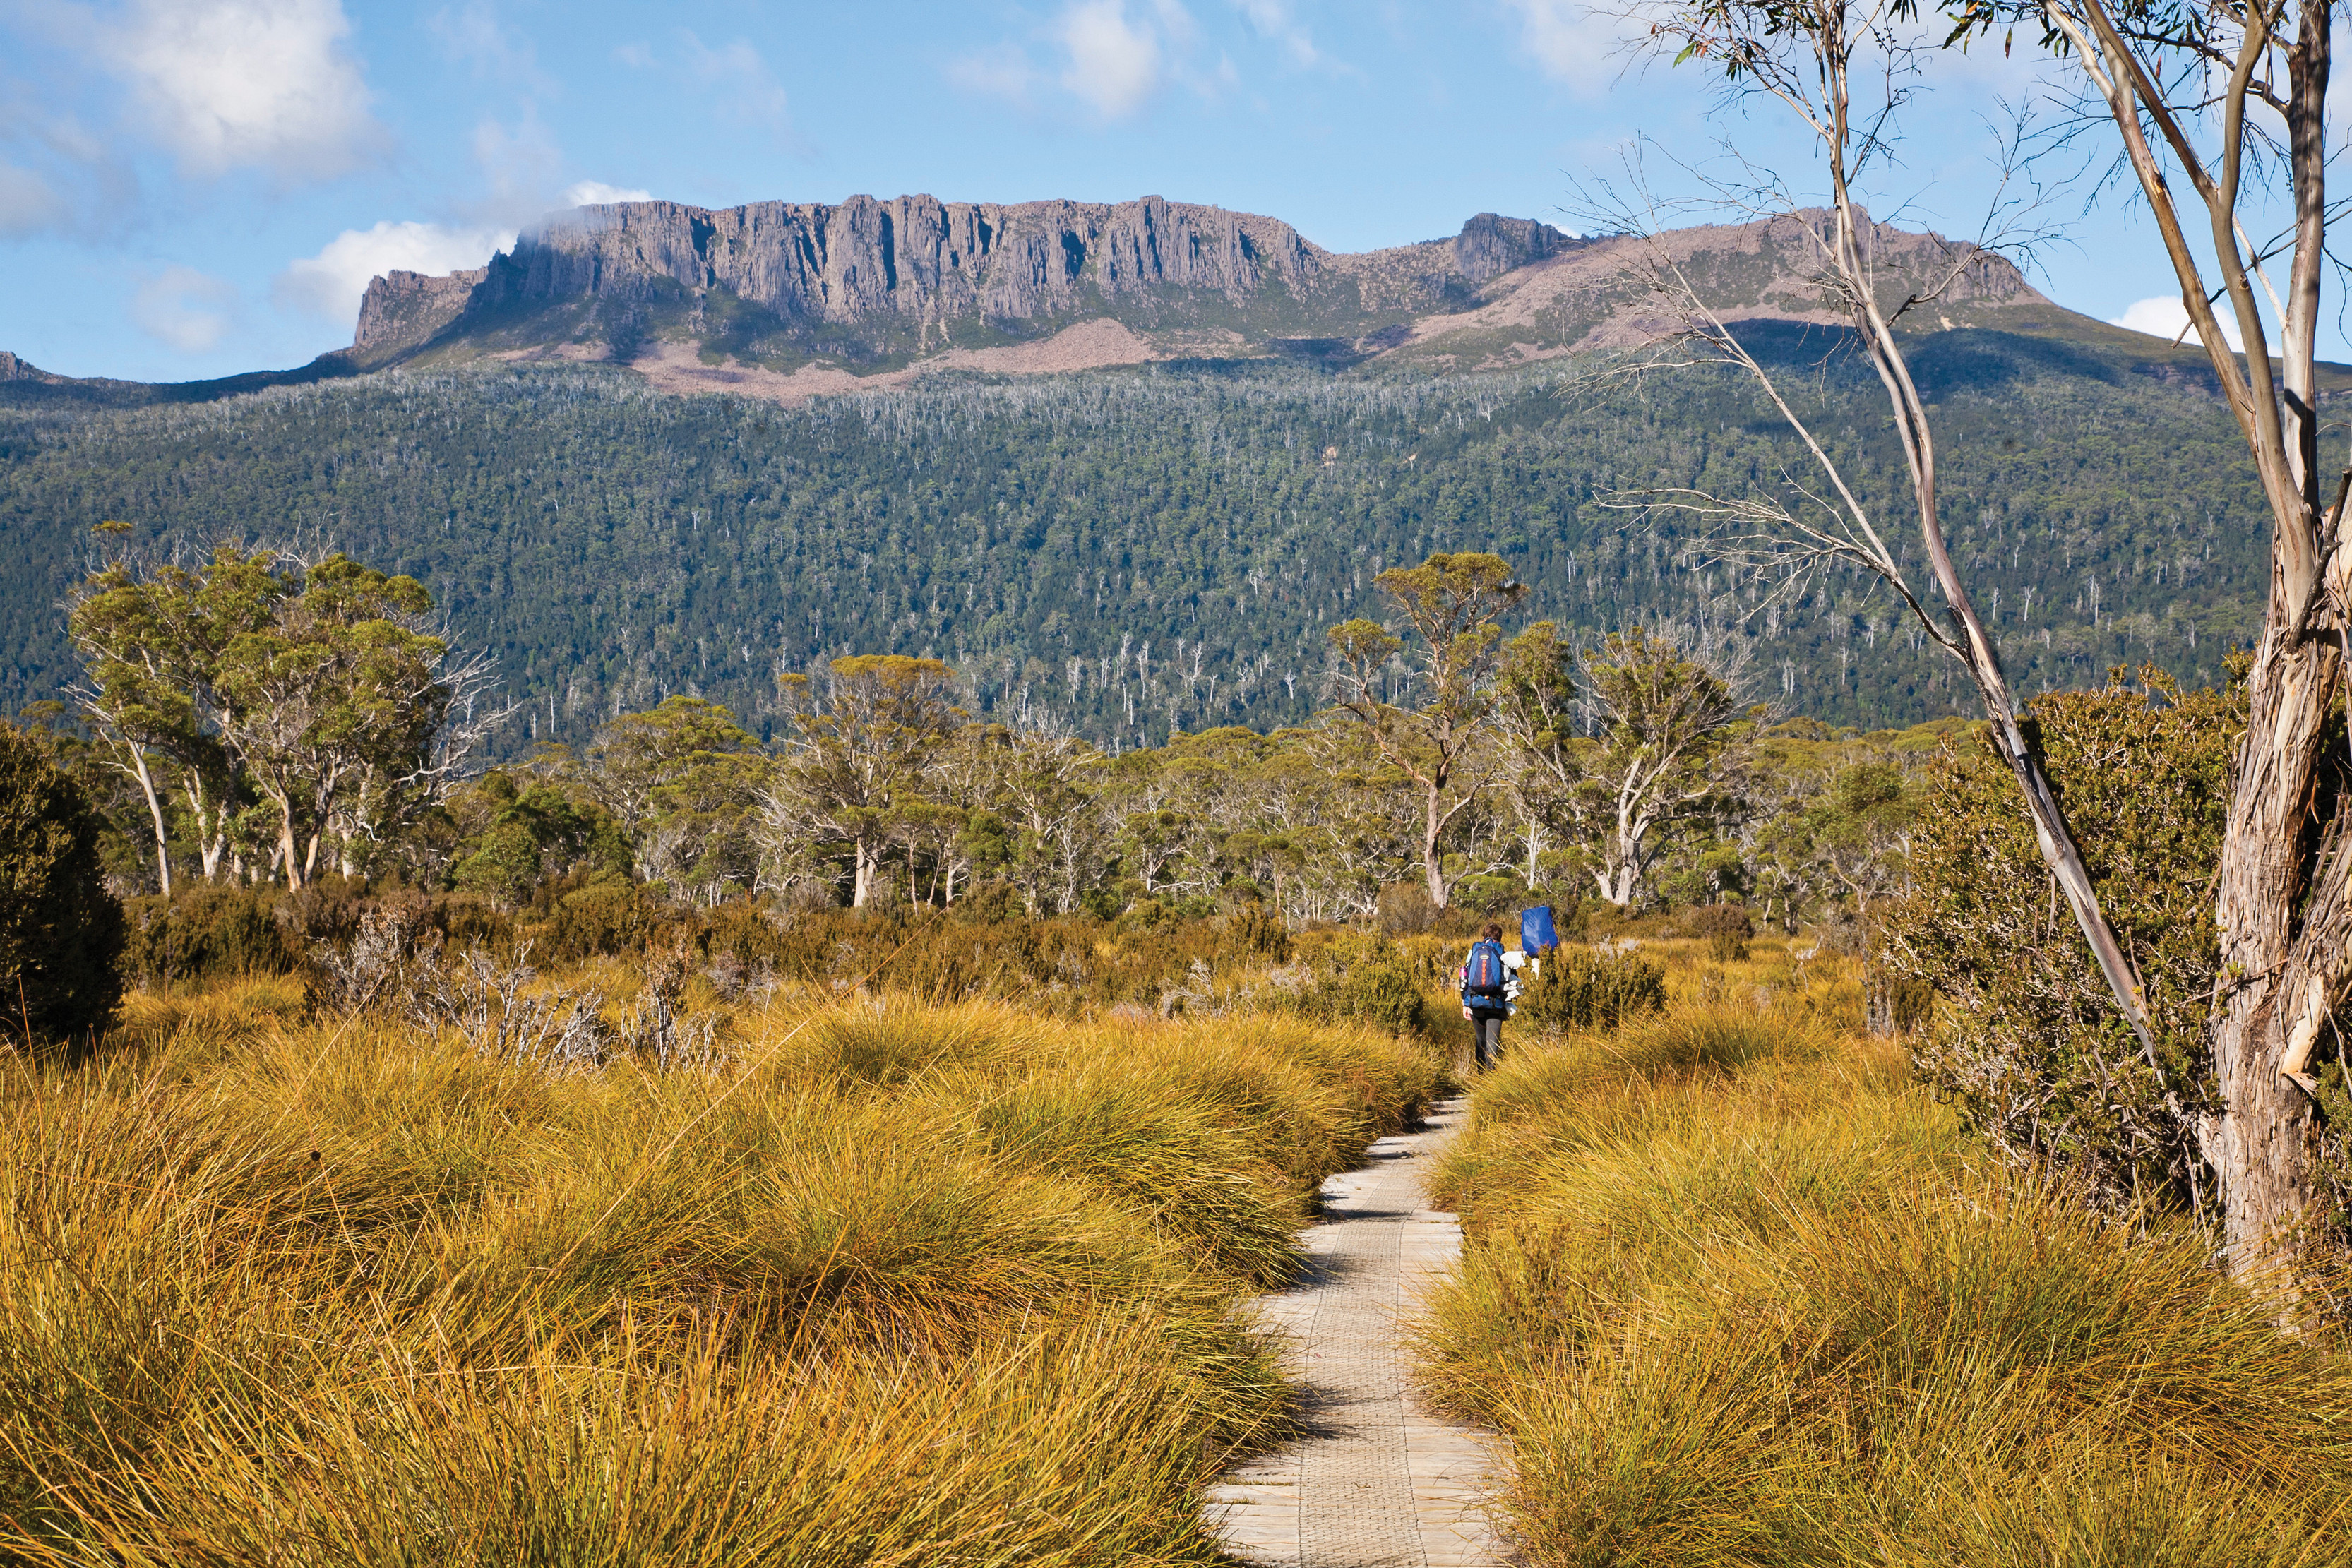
pixel 527 829
pixel 1365 977
pixel 607 543
pixel 273 707
pixel 855 776
pixel 61 931
pixel 1580 988
pixel 683 780
pixel 210 932
pixel 2031 1051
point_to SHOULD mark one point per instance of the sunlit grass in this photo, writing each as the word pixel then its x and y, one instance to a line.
pixel 1743 1293
pixel 882 1284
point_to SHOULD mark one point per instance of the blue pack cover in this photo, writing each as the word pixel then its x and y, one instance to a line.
pixel 1537 935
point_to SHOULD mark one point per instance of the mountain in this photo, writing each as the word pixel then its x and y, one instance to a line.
pixel 786 300
pixel 789 299
pixel 1122 465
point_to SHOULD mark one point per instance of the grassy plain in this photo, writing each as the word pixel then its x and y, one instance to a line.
pixel 1744 1294
pixel 882 1283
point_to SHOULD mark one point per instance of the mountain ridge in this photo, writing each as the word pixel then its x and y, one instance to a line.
pixel 871 287
pixel 787 301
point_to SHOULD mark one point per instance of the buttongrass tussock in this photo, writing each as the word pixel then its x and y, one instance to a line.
pixel 869 1283
pixel 1740 1292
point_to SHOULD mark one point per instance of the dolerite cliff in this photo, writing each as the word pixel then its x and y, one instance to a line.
pixel 872 283
pixel 788 298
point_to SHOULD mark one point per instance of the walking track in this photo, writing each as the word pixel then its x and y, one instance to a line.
pixel 1376 1481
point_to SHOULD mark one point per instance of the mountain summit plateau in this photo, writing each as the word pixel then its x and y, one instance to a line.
pixel 789 300
pixel 792 298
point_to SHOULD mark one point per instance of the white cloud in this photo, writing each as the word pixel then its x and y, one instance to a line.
pixel 2165 316
pixel 521 166
pixel 596 193
pixel 331 283
pixel 28 203
pixel 637 56
pixel 1574 43
pixel 744 89
pixel 1002 71
pixel 183 308
pixel 237 83
pixel 474 35
pixel 1114 63
pixel 1271 18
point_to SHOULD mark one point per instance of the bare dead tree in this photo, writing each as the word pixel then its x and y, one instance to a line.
pixel 2219 109
pixel 1845 70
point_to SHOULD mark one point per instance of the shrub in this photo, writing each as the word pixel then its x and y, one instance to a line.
pixel 328 909
pixel 1406 909
pixel 1257 932
pixel 605 916
pixel 1580 988
pixel 211 931
pixel 1725 928
pixel 1364 976
pixel 2038 1060
pixel 61 932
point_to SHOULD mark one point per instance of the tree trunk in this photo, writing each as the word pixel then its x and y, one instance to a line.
pixel 1431 866
pixel 862 887
pixel 155 814
pixel 2257 1145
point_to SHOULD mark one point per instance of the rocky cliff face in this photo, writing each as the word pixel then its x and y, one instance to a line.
pixel 882 267
pixel 404 308
pixel 798 292
pixel 1489 245
pixel 916 256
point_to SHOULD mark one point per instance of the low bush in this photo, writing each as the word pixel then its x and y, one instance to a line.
pixel 1364 976
pixel 210 931
pixel 1725 928
pixel 2033 1053
pixel 61 932
pixel 1579 987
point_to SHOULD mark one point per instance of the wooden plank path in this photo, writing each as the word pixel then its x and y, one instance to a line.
pixel 1376 1481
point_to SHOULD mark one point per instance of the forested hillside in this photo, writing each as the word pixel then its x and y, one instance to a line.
pixel 1142 550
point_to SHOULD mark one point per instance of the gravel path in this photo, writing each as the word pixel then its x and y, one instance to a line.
pixel 1376 1480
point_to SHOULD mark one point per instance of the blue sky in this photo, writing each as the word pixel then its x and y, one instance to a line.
pixel 191 188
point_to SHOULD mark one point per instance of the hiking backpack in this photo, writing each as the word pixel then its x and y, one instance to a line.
pixel 1482 974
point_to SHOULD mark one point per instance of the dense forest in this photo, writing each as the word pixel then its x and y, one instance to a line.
pixel 1134 553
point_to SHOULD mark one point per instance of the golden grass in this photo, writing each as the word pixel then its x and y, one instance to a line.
pixel 892 1284
pixel 1743 1294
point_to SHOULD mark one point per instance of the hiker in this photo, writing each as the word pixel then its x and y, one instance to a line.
pixel 1489 984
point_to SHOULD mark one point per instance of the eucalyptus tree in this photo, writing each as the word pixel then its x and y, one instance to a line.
pixel 1537 713
pixel 1429 713
pixel 1669 756
pixel 2219 111
pixel 857 765
pixel 2219 108
pixel 150 641
pixel 685 781
pixel 332 706
pixel 319 689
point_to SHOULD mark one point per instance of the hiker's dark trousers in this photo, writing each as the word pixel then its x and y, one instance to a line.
pixel 1490 1035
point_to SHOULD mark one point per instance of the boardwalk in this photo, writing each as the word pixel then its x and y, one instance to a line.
pixel 1376 1481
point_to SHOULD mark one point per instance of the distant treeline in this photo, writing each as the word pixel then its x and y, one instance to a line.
pixel 1136 553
